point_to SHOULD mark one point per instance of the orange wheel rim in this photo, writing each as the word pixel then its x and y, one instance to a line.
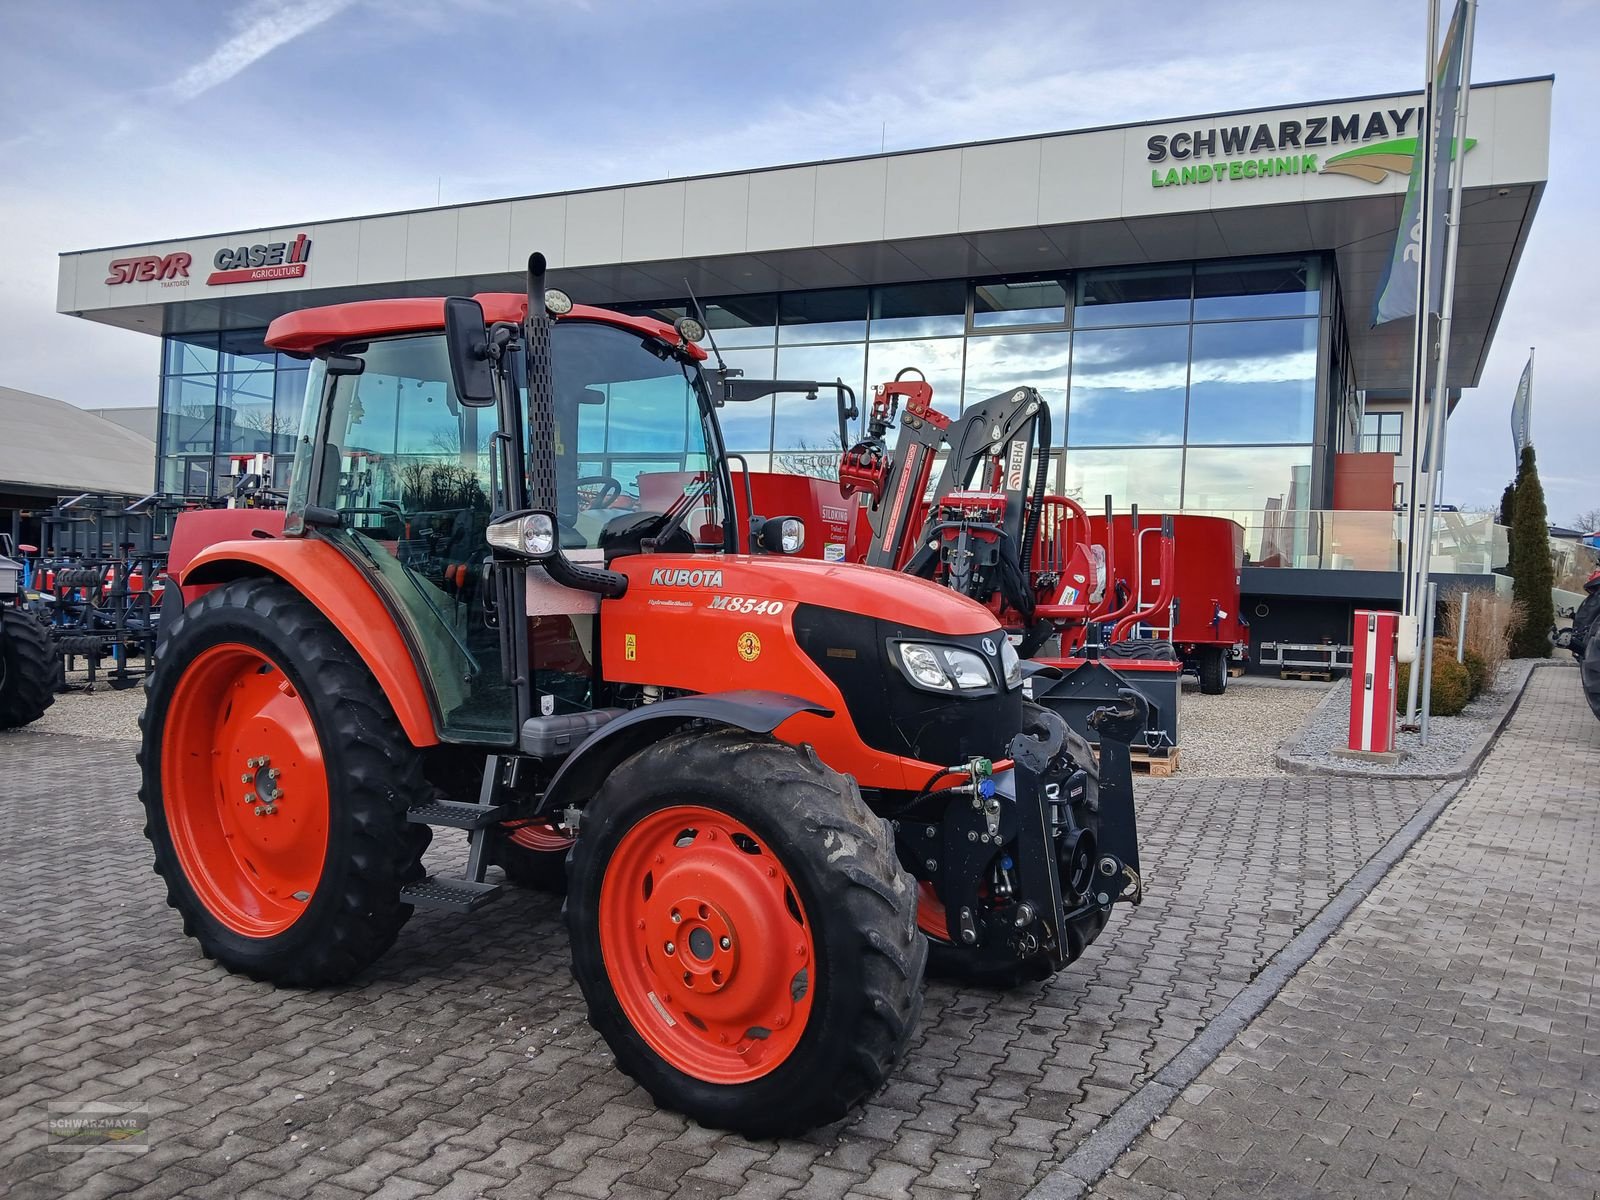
pixel 707 945
pixel 245 790
pixel 543 838
pixel 930 913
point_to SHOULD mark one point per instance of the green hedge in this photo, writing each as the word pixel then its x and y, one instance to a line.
pixel 1477 671
pixel 1452 682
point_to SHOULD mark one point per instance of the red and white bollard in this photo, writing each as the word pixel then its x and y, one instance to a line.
pixel 1372 684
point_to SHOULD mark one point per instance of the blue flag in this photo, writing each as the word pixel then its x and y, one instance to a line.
pixel 1397 296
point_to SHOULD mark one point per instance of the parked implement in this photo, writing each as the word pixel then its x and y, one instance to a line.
pixel 27 660
pixel 764 773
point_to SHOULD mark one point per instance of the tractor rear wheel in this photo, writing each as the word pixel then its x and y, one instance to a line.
pixel 533 856
pixel 28 665
pixel 1213 670
pixel 743 934
pixel 275 785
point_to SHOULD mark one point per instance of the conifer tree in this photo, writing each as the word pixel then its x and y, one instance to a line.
pixel 1532 575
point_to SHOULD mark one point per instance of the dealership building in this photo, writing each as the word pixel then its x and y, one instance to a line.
pixel 1193 297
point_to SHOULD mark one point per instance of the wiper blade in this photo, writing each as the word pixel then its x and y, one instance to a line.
pixel 676 514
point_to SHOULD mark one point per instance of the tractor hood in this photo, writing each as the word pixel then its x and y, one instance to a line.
pixel 664 581
pixel 830 633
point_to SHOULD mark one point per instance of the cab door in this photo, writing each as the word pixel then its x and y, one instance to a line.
pixel 409 473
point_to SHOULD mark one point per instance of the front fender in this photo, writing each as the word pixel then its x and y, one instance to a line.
pixel 347 598
pixel 586 768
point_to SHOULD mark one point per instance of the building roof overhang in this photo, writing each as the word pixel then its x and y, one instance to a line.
pixel 1067 201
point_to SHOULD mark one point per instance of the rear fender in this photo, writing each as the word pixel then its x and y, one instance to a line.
pixel 586 768
pixel 347 598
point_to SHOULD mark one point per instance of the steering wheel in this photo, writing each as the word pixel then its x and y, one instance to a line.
pixel 609 489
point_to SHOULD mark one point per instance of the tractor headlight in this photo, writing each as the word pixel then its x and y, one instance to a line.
pixel 936 668
pixel 1011 664
pixel 967 669
pixel 532 535
pixel 923 667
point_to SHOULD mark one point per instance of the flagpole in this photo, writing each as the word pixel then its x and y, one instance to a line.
pixel 1441 385
pixel 1419 350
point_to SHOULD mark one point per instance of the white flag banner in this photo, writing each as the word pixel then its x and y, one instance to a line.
pixel 1522 412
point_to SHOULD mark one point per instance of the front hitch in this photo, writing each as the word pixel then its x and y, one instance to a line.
pixel 1021 863
pixel 1118 724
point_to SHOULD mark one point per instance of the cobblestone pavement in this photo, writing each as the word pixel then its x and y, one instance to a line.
pixel 1445 1042
pixel 461 1066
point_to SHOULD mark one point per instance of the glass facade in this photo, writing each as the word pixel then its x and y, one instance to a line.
pixel 223 395
pixel 1193 385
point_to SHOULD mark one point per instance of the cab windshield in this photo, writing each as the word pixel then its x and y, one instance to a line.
pixel 632 437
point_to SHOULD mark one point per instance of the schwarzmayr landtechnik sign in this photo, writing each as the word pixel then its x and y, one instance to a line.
pixel 1263 150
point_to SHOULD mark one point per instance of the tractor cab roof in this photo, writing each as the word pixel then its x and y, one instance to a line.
pixel 310 329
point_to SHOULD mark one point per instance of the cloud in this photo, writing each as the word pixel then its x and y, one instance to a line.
pixel 258 30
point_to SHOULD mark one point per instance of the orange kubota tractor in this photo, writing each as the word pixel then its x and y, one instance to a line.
pixel 766 784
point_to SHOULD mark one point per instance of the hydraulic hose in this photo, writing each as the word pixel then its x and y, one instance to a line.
pixel 1041 479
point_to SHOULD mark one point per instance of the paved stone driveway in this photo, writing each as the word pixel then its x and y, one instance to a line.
pixel 1446 1041
pixel 462 1066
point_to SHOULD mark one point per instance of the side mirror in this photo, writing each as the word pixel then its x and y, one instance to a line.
pixel 467 341
pixel 781 535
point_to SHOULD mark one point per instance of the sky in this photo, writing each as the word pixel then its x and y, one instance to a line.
pixel 133 120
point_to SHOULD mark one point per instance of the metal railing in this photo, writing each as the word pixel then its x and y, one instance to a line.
pixel 1336 540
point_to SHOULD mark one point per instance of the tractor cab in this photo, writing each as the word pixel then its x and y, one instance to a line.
pixel 406 474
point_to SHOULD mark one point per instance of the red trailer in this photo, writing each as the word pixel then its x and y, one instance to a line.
pixel 1204 624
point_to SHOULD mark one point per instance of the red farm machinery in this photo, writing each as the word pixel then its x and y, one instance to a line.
pixel 1101 603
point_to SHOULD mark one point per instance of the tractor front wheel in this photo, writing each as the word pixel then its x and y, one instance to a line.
pixel 275 785
pixel 28 668
pixel 743 934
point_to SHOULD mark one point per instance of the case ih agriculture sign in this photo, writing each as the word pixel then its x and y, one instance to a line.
pixel 271 260
pixel 241 264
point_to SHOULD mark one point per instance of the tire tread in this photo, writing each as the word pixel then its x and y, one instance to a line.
pixel 381 773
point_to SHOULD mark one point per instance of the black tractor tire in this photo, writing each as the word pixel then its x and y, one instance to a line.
pixel 1589 669
pixel 537 870
pixel 28 668
pixel 1144 649
pixel 1213 670
pixel 373 773
pixel 950 962
pixel 866 990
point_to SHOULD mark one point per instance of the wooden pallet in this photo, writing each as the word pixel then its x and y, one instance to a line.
pixel 1158 765
pixel 1235 671
pixel 1325 674
pixel 1146 763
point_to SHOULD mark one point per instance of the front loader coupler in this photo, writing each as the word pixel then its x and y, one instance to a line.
pixel 1021 871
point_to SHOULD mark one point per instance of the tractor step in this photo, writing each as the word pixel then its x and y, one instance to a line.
pixel 449 895
pixel 455 815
